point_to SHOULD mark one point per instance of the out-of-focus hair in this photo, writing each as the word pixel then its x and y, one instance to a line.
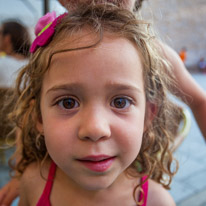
pixel 138 5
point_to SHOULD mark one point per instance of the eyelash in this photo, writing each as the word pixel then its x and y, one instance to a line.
pixel 127 103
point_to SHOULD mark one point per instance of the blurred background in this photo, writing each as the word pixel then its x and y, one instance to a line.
pixel 28 11
pixel 181 24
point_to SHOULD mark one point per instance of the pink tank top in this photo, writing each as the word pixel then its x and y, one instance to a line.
pixel 143 195
pixel 45 197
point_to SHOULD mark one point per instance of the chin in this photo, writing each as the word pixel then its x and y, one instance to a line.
pixel 96 184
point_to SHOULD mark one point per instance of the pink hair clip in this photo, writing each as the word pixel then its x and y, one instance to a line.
pixel 44 30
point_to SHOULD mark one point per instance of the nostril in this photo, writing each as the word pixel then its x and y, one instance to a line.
pixel 94 124
pixel 94 133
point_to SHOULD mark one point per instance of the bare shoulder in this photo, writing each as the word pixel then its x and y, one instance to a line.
pixel 159 196
pixel 32 183
pixel 31 176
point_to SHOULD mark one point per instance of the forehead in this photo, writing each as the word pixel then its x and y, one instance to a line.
pixel 86 38
pixel 113 60
pixel 87 43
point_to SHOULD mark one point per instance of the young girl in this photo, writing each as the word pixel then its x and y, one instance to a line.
pixel 94 113
pixel 187 88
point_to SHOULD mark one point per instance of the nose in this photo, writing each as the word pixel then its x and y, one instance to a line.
pixel 94 125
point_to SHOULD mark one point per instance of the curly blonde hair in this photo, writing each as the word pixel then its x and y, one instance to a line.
pixel 155 158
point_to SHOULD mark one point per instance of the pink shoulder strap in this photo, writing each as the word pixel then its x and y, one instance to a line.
pixel 144 192
pixel 45 197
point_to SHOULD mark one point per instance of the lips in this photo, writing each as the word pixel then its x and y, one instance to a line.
pixel 100 163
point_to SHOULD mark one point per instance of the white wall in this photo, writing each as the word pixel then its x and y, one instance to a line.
pixel 180 23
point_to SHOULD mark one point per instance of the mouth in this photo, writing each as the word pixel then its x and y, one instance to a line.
pixel 100 163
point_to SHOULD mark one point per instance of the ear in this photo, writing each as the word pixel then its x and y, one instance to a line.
pixel 150 114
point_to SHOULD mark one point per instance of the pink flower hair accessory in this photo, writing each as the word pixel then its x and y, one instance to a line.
pixel 45 29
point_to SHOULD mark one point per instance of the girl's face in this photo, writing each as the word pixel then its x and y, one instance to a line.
pixel 93 111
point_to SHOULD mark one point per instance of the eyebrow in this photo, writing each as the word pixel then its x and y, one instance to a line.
pixel 67 87
pixel 76 87
pixel 122 86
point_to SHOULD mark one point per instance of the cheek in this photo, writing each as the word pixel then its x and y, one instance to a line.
pixel 59 137
pixel 130 135
pixel 129 145
pixel 132 141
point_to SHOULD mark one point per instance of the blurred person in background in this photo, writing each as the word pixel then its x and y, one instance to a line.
pixel 15 42
pixel 183 54
pixel 202 65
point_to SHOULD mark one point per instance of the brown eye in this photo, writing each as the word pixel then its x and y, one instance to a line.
pixel 68 103
pixel 121 103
